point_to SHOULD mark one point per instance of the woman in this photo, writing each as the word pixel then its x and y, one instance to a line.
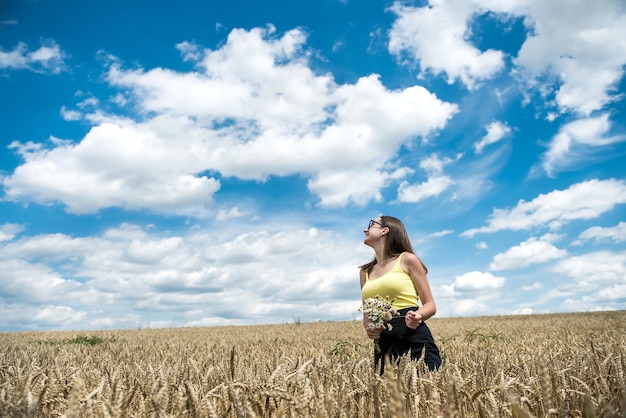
pixel 398 274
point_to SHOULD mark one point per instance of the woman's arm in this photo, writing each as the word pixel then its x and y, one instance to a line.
pixel 413 266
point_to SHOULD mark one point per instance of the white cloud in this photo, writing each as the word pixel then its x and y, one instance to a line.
pixel 576 142
pixel 495 132
pixel 585 200
pixel 436 184
pixel 336 189
pixel 8 231
pixel 58 316
pixel 604 299
pixel 598 233
pixel 593 270
pixel 234 212
pixel 435 36
pixel 582 50
pixel 126 274
pixel 70 115
pixel 89 102
pixel 413 193
pixel 611 293
pixel 190 51
pixel 593 281
pixel 252 109
pixel 46 58
pixel 531 251
pixel 441 233
pixel 468 307
pixel 523 311
pixel 34 282
pixel 534 286
pixel 577 58
pixel 126 165
pixel 474 281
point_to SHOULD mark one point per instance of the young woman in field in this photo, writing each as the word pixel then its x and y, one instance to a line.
pixel 398 274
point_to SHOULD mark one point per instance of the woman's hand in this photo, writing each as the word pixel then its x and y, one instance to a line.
pixel 374 333
pixel 413 319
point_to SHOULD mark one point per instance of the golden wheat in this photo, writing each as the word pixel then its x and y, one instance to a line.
pixel 562 365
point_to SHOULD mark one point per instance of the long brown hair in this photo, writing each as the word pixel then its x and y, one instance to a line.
pixel 397 242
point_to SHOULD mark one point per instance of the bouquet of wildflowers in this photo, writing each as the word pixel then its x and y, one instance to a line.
pixel 379 312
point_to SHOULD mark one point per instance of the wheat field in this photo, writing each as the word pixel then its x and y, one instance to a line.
pixel 557 365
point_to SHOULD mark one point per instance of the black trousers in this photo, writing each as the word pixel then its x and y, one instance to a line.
pixel 401 340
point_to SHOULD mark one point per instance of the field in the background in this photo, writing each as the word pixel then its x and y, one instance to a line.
pixel 566 365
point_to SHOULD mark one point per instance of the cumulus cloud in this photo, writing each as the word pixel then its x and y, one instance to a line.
pixel 234 212
pixel 469 307
pixel 496 131
pixel 534 286
pixel 616 233
pixel 472 282
pixel 603 299
pixel 593 270
pixel 582 51
pixel 436 184
pixel 576 59
pixel 576 141
pixel 196 278
pixel 523 311
pixel 8 231
pixel 612 293
pixel 70 115
pixel 477 280
pixel 531 251
pixel 435 37
pixel 585 200
pixel 128 165
pixel 251 109
pixel 48 58
pixel 471 293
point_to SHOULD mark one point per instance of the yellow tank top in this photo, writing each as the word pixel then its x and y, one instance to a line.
pixel 396 284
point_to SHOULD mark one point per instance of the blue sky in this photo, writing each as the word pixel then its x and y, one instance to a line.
pixel 212 163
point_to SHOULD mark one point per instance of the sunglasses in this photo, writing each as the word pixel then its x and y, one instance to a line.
pixel 372 222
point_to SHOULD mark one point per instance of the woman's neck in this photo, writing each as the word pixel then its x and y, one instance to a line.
pixel 382 258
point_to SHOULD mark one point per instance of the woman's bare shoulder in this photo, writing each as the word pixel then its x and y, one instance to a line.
pixel 412 261
pixel 410 258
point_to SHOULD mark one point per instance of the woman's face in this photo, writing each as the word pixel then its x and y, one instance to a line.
pixel 373 230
